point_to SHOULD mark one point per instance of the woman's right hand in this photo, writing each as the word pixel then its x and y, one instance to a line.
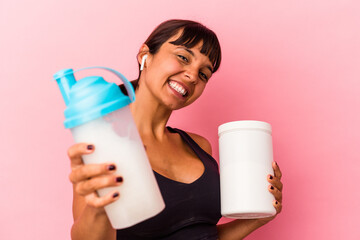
pixel 87 179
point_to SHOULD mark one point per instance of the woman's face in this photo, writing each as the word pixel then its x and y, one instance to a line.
pixel 176 76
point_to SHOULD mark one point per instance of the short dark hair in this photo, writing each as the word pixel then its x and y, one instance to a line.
pixel 193 33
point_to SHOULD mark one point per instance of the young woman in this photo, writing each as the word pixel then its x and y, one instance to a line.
pixel 181 58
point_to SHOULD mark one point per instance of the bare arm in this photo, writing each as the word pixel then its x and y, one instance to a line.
pixel 237 229
pixel 91 223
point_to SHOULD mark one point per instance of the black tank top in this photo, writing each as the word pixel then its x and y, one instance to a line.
pixel 191 210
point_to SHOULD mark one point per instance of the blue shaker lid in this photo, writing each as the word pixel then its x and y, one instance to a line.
pixel 62 73
pixel 91 98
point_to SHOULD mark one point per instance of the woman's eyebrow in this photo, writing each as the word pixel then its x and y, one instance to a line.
pixel 188 50
pixel 192 53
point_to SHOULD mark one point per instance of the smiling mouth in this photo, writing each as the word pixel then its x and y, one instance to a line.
pixel 178 88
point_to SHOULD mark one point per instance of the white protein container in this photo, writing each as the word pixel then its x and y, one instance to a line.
pixel 246 156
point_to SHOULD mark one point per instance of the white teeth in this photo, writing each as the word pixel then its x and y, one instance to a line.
pixel 177 87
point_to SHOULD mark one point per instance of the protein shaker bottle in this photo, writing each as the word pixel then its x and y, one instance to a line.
pixel 97 112
pixel 246 156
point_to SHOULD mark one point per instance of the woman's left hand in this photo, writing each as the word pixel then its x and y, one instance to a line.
pixel 275 188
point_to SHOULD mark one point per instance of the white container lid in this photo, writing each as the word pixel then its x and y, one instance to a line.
pixel 244 125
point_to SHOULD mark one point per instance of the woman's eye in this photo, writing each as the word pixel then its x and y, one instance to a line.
pixel 203 75
pixel 183 58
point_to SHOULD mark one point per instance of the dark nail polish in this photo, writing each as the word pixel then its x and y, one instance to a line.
pixel 119 179
pixel 115 195
pixel 276 202
pixel 111 167
pixel 271 177
pixel 272 188
pixel 90 147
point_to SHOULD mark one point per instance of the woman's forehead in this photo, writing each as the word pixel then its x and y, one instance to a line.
pixel 197 47
pixel 178 35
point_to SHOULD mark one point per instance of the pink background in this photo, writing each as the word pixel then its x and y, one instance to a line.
pixel 294 64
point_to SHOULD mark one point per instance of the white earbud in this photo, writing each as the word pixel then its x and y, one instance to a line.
pixel 143 62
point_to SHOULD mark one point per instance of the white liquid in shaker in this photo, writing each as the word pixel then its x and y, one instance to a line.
pixel 140 197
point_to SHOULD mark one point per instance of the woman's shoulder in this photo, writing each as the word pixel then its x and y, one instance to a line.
pixel 201 141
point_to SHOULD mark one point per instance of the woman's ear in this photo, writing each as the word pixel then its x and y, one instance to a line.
pixel 143 54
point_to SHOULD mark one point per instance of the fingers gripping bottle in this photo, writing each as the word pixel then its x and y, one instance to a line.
pixel 98 112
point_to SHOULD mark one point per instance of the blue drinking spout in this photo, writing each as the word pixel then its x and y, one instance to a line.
pixel 65 80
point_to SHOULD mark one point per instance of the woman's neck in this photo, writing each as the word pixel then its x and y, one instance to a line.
pixel 149 115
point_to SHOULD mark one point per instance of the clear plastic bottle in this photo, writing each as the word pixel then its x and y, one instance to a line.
pixel 98 112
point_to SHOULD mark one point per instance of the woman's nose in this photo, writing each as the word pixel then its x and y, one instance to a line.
pixel 191 76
